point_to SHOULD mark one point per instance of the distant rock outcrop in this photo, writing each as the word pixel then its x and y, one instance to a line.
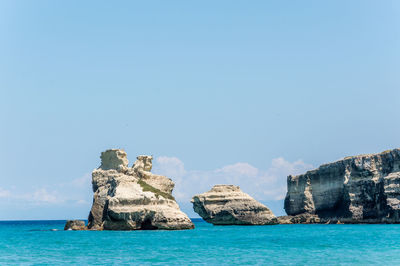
pixel 133 198
pixel 76 225
pixel 358 189
pixel 228 205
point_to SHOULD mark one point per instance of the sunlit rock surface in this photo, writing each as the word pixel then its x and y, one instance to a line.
pixel 357 189
pixel 133 198
pixel 228 205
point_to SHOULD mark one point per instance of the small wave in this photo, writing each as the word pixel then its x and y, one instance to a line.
pixel 43 230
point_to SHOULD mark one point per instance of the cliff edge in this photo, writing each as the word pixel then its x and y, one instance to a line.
pixel 357 189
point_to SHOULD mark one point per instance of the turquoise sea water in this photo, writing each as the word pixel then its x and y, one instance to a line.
pixel 33 242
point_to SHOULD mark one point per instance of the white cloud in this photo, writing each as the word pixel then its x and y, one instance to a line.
pixel 269 184
pixel 4 193
pixel 83 181
pixel 82 202
pixel 243 169
pixel 170 166
pixel 77 191
pixel 43 196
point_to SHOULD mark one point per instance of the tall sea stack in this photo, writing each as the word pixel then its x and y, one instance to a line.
pixel 132 198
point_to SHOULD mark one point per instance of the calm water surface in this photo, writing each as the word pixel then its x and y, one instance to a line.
pixel 33 242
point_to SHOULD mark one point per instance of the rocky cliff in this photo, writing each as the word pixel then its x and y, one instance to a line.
pixel 358 189
pixel 132 198
pixel 75 225
pixel 228 205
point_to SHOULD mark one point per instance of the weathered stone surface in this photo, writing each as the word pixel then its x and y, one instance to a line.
pixel 142 168
pixel 114 159
pixel 133 198
pixel 75 225
pixel 304 218
pixel 358 189
pixel 228 205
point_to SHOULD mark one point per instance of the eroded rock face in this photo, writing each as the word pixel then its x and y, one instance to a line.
pixel 75 225
pixel 304 218
pixel 228 205
pixel 114 159
pixel 133 198
pixel 142 168
pixel 358 189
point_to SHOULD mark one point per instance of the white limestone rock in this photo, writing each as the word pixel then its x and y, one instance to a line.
pixel 228 205
pixel 114 159
pixel 133 198
pixel 142 168
pixel 357 189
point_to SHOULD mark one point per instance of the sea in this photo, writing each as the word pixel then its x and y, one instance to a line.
pixel 46 243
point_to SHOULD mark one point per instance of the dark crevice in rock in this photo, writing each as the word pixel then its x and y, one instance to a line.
pixel 147 225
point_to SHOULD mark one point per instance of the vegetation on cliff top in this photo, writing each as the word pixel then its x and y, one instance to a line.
pixel 147 187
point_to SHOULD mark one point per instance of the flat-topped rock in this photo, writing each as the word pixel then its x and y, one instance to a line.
pixel 228 205
pixel 133 198
pixel 356 189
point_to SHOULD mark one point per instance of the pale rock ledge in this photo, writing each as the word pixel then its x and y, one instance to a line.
pixel 228 205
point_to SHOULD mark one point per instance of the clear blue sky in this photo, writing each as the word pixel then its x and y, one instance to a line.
pixel 209 83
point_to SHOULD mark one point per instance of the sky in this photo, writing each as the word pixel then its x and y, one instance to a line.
pixel 219 92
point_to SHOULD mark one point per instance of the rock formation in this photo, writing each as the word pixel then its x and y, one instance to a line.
pixel 75 225
pixel 304 218
pixel 358 189
pixel 228 205
pixel 133 198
